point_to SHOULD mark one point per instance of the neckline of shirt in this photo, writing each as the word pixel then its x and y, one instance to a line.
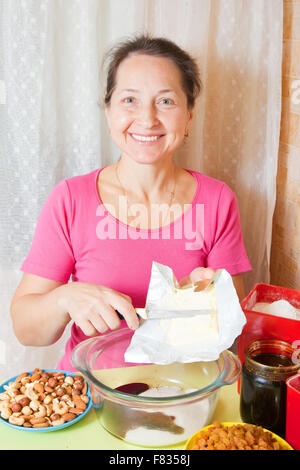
pixel 152 230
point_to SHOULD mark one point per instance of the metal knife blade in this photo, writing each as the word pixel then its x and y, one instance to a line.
pixel 155 314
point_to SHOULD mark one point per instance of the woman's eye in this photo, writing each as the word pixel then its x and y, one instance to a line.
pixel 166 101
pixel 129 99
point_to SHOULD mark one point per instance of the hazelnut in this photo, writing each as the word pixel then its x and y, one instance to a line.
pixel 24 401
pixel 78 386
pixel 78 378
pixel 16 407
pixel 52 383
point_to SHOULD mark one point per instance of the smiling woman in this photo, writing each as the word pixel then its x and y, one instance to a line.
pixel 149 121
pixel 99 228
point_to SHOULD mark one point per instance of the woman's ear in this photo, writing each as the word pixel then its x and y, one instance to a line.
pixel 188 123
pixel 107 115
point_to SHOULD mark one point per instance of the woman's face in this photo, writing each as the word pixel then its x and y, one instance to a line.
pixel 148 114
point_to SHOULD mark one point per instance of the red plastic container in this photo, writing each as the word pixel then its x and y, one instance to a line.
pixel 262 325
pixel 292 433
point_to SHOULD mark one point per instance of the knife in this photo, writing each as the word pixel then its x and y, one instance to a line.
pixel 155 314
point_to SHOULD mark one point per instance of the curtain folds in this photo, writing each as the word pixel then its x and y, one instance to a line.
pixel 51 126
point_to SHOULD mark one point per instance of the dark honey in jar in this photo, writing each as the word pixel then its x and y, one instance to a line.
pixel 268 363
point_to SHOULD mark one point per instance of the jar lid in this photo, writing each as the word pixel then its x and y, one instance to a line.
pixel 270 347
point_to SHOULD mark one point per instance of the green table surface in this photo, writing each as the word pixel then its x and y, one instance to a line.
pixel 88 434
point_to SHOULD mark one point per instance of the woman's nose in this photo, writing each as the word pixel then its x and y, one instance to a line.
pixel 148 115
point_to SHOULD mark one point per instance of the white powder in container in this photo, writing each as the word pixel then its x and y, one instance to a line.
pixel 190 417
pixel 280 308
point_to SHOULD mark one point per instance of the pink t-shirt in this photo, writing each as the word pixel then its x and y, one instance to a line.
pixel 77 238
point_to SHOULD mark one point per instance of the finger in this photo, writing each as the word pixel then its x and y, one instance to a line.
pixel 201 285
pixel 87 328
pixel 98 321
pixel 184 281
pixel 199 274
pixel 109 317
pixel 126 309
pixel 125 297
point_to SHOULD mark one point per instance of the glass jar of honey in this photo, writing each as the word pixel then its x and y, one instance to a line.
pixel 268 363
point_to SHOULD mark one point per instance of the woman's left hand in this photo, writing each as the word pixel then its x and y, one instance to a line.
pixel 198 274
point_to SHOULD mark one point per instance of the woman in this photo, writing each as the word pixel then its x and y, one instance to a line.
pixel 105 228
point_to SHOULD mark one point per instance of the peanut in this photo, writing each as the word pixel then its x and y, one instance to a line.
pixel 27 411
pixel 6 413
pixel 18 420
pixel 58 422
pixel 69 380
pixel 48 399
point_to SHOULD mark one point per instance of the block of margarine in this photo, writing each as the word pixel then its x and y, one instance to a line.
pixel 199 328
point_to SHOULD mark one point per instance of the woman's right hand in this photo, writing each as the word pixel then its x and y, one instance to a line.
pixel 93 308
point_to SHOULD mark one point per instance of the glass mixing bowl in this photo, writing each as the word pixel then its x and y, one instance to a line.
pixel 184 395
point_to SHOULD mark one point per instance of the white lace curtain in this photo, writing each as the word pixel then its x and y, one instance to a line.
pixel 51 126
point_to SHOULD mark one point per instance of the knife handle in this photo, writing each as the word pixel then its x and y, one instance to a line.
pixel 122 318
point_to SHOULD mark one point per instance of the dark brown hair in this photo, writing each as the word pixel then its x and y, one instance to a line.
pixel 160 47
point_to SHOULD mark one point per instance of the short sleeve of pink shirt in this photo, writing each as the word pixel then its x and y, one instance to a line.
pixel 51 254
pixel 77 239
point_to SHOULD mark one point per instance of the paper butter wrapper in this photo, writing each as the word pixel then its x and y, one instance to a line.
pixel 199 338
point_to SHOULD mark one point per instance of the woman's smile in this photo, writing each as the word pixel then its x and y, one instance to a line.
pixel 146 139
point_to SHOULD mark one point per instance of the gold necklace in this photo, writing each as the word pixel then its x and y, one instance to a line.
pixel 172 193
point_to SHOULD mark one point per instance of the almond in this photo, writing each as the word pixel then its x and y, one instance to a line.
pixel 76 411
pixel 37 420
pixel 40 425
pixel 69 416
pixel 27 425
pixel 35 377
pixel 78 402
pixel 39 388
pixel 84 389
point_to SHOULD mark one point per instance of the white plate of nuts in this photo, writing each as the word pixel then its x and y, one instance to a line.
pixel 44 400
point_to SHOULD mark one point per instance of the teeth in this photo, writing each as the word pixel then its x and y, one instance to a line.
pixel 144 138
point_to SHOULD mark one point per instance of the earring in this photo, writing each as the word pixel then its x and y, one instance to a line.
pixel 186 133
